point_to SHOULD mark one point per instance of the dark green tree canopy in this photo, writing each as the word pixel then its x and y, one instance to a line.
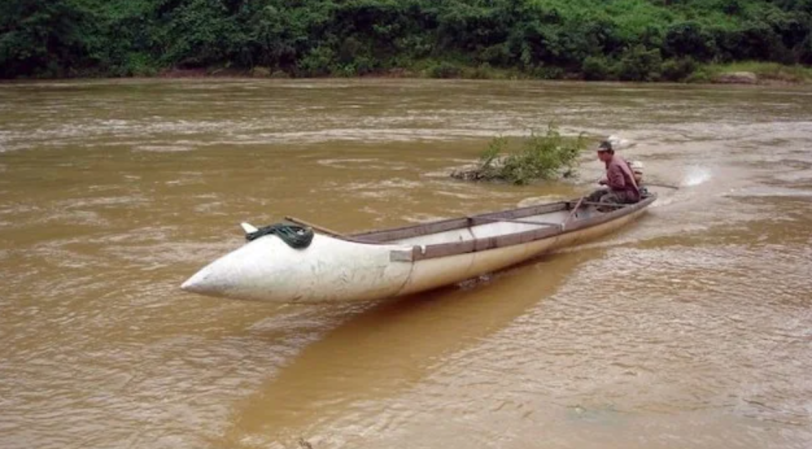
pixel 600 39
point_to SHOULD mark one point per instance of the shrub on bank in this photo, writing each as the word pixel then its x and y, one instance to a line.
pixel 444 70
pixel 640 64
pixel 598 68
pixel 678 69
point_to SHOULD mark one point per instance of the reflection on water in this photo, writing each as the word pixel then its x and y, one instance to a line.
pixel 690 329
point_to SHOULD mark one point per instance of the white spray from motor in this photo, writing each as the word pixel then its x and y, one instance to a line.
pixel 694 175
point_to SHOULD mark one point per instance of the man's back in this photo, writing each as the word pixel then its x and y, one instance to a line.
pixel 619 177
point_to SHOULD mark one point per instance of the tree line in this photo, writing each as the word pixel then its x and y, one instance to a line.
pixel 591 39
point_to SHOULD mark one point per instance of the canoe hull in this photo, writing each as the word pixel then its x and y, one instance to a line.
pixel 332 269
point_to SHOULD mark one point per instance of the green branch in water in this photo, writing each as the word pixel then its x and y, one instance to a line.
pixel 540 157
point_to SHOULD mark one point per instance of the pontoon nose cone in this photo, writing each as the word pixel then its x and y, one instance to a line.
pixel 212 280
pixel 330 269
pixel 194 284
pixel 251 271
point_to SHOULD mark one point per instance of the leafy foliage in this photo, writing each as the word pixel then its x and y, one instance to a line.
pixel 541 156
pixel 610 39
pixel 678 69
pixel 640 64
pixel 598 68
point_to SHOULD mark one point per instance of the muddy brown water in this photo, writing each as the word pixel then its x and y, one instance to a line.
pixel 690 329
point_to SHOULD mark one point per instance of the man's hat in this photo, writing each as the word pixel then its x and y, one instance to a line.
pixel 605 146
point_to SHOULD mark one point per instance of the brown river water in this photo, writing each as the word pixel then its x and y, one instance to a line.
pixel 690 329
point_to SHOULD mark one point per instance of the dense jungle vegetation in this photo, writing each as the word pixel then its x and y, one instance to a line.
pixel 640 40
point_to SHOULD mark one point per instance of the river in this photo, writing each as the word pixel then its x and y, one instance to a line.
pixel 690 329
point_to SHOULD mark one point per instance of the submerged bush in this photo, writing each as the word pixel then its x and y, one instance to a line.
pixel 541 156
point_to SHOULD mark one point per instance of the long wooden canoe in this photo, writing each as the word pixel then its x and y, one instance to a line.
pixel 404 260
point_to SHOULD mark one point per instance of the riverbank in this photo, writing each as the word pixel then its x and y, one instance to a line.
pixel 746 72
pixel 670 71
pixel 753 73
pixel 624 40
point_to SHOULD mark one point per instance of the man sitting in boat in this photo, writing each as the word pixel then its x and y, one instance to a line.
pixel 619 181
